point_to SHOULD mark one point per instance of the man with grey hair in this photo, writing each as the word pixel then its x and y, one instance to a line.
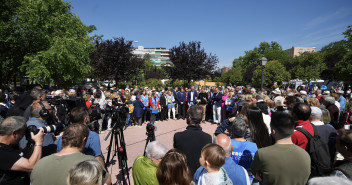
pixel 12 163
pixel 243 150
pixel 236 173
pixel 326 132
pixel 144 167
pixel 37 94
pixel 40 113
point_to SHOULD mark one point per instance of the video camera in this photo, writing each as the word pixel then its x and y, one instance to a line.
pixel 151 131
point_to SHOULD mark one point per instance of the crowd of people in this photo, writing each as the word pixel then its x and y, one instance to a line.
pixel 262 136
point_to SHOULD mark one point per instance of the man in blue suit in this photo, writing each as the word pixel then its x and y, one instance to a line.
pixel 192 97
pixel 181 100
pixel 217 99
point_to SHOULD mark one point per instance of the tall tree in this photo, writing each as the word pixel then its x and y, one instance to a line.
pixel 251 59
pixel 113 59
pixel 310 66
pixel 191 62
pixel 46 41
pixel 274 71
pixel 344 67
pixel 333 53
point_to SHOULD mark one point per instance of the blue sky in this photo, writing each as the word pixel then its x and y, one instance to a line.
pixel 226 28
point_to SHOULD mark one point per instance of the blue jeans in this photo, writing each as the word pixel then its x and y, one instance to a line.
pixel 128 120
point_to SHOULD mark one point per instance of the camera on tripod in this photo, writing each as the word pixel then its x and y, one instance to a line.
pixel 151 131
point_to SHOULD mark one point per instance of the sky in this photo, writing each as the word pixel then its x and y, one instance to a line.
pixel 226 28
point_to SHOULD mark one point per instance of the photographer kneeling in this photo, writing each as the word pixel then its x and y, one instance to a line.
pixel 12 165
pixel 41 112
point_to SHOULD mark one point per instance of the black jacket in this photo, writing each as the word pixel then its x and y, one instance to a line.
pixel 163 101
pixel 201 96
pixel 190 142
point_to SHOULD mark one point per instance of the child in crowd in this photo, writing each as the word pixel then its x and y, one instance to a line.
pixel 212 159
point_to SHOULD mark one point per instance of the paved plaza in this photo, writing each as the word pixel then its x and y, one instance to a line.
pixel 135 139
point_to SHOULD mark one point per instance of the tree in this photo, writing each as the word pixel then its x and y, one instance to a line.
pixel 333 53
pixel 191 62
pixel 113 59
pixel 46 41
pixel 310 66
pixel 233 76
pixel 348 36
pixel 345 68
pixel 251 59
pixel 274 71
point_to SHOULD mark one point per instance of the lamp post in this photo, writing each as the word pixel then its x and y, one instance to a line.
pixel 263 63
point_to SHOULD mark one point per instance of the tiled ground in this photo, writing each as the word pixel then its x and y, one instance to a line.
pixel 135 139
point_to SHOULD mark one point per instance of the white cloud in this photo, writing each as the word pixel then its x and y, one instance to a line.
pixel 341 13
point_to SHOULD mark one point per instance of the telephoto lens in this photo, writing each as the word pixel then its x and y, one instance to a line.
pixel 49 128
pixel 46 129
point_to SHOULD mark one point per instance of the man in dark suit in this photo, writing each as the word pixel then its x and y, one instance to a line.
pixel 181 100
pixel 193 139
pixel 217 99
pixel 192 97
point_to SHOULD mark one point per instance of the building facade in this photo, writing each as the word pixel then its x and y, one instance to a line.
pixel 159 55
pixel 297 51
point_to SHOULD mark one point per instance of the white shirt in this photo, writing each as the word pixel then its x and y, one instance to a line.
pixel 267 120
pixel 317 123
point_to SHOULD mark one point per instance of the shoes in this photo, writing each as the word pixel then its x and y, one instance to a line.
pixel 203 121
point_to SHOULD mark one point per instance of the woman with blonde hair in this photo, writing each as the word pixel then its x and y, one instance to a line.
pixel 313 102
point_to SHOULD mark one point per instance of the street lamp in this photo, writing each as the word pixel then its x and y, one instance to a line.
pixel 263 63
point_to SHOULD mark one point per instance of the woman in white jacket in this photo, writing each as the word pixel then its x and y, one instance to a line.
pixel 170 104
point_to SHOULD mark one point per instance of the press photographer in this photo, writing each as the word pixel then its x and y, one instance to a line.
pixel 40 113
pixel 12 165
pixel 92 146
pixel 100 100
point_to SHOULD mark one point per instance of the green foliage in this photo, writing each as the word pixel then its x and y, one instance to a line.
pixel 252 58
pixel 274 71
pixel 217 79
pixel 152 83
pixel 233 76
pixel 348 36
pixel 43 36
pixel 344 68
pixel 310 66
pixel 65 63
pixel 178 83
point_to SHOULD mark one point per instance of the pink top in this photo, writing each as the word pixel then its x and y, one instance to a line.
pixel 224 97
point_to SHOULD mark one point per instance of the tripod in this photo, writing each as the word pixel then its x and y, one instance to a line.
pixel 119 150
pixel 150 135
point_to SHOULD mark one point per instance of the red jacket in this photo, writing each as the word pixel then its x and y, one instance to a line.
pixel 151 102
pixel 298 138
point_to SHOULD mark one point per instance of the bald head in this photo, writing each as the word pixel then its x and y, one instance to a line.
pixel 225 142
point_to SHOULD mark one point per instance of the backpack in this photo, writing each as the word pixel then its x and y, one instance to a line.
pixel 318 152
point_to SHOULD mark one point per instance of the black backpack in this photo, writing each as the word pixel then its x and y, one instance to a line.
pixel 318 152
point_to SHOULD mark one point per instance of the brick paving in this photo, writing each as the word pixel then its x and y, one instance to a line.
pixel 135 139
